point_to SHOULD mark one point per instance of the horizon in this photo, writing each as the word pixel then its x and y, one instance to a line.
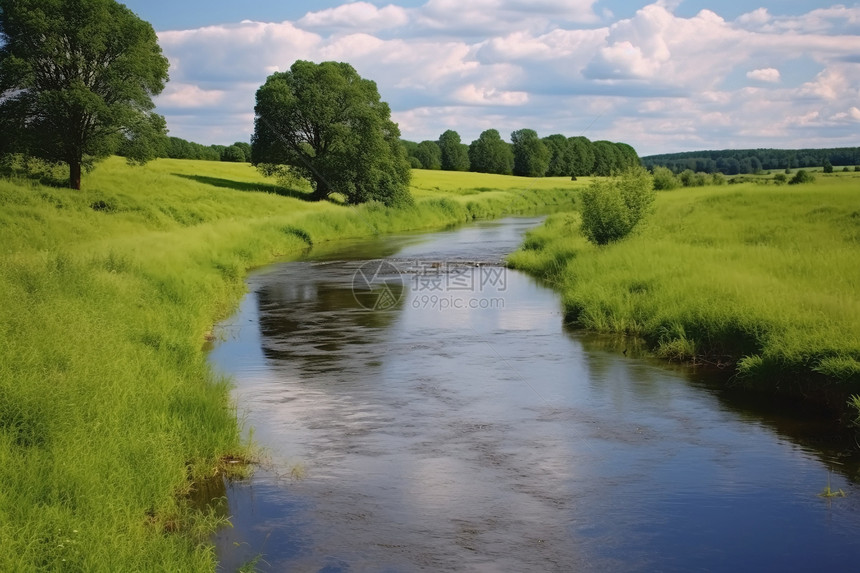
pixel 664 77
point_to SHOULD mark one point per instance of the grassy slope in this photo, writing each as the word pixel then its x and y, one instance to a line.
pixel 108 409
pixel 765 278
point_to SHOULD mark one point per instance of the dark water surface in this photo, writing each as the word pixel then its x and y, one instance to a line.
pixel 460 426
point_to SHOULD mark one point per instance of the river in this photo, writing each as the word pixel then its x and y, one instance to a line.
pixel 431 412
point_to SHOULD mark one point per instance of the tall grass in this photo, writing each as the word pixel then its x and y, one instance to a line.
pixel 762 280
pixel 109 413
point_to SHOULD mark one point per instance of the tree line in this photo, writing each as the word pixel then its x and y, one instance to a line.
pixel 527 155
pixel 178 148
pixel 750 161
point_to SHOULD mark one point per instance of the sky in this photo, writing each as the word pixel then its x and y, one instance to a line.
pixel 663 76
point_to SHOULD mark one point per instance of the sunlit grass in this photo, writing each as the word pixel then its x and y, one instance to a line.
pixel 109 412
pixel 760 278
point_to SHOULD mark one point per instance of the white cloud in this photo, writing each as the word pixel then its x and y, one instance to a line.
pixel 494 17
pixel 186 96
pixel 656 45
pixel 472 94
pixel 755 19
pixel 356 16
pixel 831 84
pixel 657 80
pixel 770 75
pixel 235 52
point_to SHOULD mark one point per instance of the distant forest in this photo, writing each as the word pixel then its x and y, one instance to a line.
pixel 178 148
pixel 741 161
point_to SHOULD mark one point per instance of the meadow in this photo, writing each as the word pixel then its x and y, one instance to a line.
pixel 756 279
pixel 110 416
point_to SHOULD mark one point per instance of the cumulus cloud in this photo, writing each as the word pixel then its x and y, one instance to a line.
pixel 831 84
pixel 483 17
pixel 186 96
pixel 770 75
pixel 755 19
pixel 355 16
pixel 657 80
pixel 489 95
pixel 235 52
pixel 656 45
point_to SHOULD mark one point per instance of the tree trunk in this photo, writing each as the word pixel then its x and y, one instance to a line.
pixel 75 174
pixel 321 189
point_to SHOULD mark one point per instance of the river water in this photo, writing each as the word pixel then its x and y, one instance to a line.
pixel 432 413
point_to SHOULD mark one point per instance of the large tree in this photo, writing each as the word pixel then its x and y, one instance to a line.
pixel 429 154
pixel 582 156
pixel 490 154
pixel 77 79
pixel 455 154
pixel 531 155
pixel 607 158
pixel 561 158
pixel 328 125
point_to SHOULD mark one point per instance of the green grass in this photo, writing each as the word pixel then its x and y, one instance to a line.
pixel 109 412
pixel 763 280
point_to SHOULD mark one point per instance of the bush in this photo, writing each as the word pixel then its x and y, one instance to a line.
pixel 611 208
pixel 802 176
pixel 664 179
pixel 780 179
pixel 687 178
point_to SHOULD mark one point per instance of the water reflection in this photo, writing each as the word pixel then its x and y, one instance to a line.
pixel 312 320
pixel 470 437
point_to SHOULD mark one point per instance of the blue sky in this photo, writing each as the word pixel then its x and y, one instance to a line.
pixel 664 76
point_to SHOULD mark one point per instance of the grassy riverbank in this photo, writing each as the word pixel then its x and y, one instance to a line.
pixel 759 279
pixel 109 412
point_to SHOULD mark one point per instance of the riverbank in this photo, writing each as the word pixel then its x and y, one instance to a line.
pixel 759 281
pixel 109 412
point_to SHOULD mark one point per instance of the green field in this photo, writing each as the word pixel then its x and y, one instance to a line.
pixel 109 412
pixel 759 280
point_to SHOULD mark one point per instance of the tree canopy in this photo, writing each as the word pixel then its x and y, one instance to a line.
pixel 612 208
pixel 489 154
pixel 531 155
pixel 327 125
pixel 455 154
pixel 77 79
pixel 429 154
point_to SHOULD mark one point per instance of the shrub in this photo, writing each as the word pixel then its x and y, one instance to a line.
pixel 611 208
pixel 802 176
pixel 664 179
pixel 718 178
pixel 780 179
pixel 687 178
